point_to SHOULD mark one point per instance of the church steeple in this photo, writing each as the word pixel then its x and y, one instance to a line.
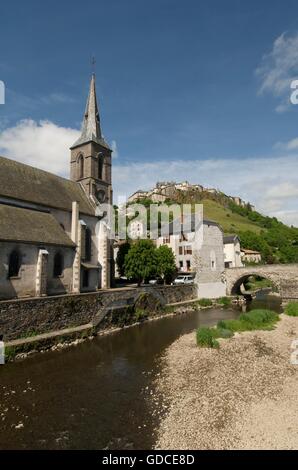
pixel 91 129
pixel 91 155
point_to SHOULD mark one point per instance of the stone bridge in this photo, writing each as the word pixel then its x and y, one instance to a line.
pixel 283 276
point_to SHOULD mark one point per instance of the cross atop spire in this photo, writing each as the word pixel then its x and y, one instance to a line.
pixel 91 130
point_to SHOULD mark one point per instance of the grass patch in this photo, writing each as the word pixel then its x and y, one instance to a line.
pixel 292 309
pixel 254 320
pixel 205 302
pixel 225 301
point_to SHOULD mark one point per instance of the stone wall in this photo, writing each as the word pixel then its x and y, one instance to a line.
pixel 25 317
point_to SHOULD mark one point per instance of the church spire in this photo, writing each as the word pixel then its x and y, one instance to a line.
pixel 91 130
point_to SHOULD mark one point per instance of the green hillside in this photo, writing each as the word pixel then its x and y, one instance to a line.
pixel 230 222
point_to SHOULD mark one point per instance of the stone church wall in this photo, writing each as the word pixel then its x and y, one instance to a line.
pixel 24 285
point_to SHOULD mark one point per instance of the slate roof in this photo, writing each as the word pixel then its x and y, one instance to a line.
pixel 29 226
pixel 250 252
pixel 230 239
pixel 26 183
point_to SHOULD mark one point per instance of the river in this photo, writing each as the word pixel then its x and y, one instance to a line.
pixel 94 395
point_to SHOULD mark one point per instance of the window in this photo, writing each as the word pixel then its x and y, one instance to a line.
pixel 58 265
pixel 188 265
pixel 188 250
pixel 166 240
pixel 180 264
pixel 180 250
pixel 100 166
pixel 81 166
pixel 88 244
pixel 14 264
pixel 85 281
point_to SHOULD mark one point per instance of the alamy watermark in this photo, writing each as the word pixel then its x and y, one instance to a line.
pixel 2 92
pixel 2 353
pixel 294 354
pixel 137 221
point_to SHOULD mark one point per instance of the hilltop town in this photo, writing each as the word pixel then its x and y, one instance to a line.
pixel 165 190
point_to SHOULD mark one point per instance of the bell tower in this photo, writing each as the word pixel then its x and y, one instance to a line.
pixel 91 156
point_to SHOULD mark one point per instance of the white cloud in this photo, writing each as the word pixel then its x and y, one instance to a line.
pixel 42 144
pixel 279 68
pixel 269 183
pixel 290 145
pixel 114 147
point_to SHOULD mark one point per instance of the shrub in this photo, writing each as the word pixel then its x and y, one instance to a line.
pixel 205 338
pixel 140 314
pixel 205 302
pixel 292 309
pixel 225 301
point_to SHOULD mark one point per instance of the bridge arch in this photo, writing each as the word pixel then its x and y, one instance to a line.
pixel 236 287
pixel 283 276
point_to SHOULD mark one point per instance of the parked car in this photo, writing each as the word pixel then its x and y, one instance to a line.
pixel 156 280
pixel 184 279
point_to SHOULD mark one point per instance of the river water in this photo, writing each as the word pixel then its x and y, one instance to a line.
pixel 94 395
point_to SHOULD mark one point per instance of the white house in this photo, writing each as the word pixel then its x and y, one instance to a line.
pixel 232 252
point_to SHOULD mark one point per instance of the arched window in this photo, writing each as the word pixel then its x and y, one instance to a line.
pixel 58 265
pixel 100 167
pixel 81 166
pixel 14 264
pixel 88 242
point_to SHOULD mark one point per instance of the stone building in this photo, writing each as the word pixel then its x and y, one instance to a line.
pixel 250 256
pixel 51 239
pixel 198 249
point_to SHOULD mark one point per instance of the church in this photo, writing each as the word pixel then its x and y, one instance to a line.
pixel 52 241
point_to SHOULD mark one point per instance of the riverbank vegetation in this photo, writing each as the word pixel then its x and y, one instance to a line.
pixel 258 319
pixel 292 309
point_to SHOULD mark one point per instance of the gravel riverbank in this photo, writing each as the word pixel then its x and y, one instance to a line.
pixel 242 396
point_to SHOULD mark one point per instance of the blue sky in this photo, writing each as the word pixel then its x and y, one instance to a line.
pixel 194 90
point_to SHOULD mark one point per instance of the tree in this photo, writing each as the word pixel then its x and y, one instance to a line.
pixel 141 261
pixel 120 258
pixel 166 263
